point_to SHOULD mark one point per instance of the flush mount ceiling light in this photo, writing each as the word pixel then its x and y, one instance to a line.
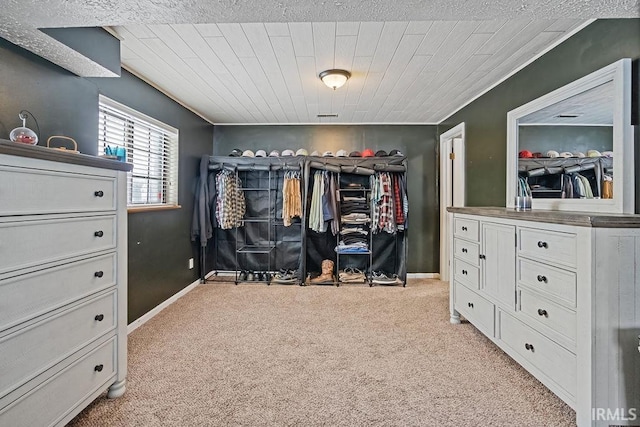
pixel 334 78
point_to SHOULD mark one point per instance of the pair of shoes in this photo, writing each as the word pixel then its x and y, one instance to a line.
pixel 351 275
pixel 285 276
pixel 380 278
pixel 253 276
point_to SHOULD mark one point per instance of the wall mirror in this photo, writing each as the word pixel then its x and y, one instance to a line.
pixel 572 149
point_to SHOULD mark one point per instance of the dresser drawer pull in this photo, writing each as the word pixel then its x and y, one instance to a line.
pixel 528 346
pixel 464 250
pixel 464 272
pixel 542 278
pixel 98 368
pixel 542 244
pixel 464 228
pixel 542 312
pixel 99 317
pixel 98 274
pixel 470 304
pixel 99 193
pixel 98 233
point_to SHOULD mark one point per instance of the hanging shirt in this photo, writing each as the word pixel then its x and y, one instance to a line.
pixel 291 197
pixel 316 221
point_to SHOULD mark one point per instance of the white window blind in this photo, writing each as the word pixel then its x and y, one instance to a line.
pixel 151 146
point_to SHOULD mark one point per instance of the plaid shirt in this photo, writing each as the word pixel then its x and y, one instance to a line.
pixel 230 204
pixel 386 210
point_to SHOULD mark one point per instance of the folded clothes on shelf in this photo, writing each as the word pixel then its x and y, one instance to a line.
pixel 353 230
pixel 356 218
pixel 352 239
pixel 358 247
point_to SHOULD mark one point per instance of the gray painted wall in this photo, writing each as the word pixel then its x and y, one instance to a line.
pixel 418 143
pixel 64 104
pixel 598 45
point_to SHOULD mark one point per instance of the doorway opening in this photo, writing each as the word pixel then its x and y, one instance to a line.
pixel 452 188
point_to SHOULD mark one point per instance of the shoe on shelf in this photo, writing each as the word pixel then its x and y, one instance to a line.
pixel 251 276
pixel 327 273
pixel 259 276
pixel 351 275
pixel 285 276
pixel 380 278
pixel 323 278
pixel 242 277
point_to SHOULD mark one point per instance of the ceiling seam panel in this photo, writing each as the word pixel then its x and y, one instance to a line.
pixel 262 83
pixel 208 57
pixel 159 59
pixel 223 50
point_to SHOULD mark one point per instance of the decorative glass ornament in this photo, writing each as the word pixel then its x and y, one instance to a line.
pixel 23 134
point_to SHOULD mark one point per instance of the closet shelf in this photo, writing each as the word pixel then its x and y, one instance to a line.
pixel 250 249
pixel 256 219
pixel 353 253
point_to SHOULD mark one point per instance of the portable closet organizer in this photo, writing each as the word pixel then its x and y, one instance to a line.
pixel 262 241
pixel 219 248
pixel 538 167
pixel 387 252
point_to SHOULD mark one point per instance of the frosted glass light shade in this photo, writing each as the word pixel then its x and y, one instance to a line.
pixel 334 78
pixel 23 135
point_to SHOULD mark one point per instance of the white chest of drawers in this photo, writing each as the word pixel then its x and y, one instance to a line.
pixel 560 293
pixel 63 283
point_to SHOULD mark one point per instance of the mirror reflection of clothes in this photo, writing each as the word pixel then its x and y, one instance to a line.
pixel 607 188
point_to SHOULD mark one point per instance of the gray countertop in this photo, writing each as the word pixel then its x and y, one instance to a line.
pixel 43 153
pixel 582 219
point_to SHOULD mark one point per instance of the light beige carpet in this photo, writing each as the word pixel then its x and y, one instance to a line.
pixel 256 355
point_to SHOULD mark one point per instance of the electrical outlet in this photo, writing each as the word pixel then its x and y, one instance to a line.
pixel 190 263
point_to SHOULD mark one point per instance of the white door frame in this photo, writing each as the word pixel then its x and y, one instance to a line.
pixel 452 188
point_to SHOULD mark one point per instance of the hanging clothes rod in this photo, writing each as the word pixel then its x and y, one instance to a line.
pixel 286 167
pixel 579 168
pixel 389 168
pixel 325 166
pixel 249 167
pixel 358 170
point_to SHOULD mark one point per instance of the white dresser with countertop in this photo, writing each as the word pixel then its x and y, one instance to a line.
pixel 63 283
pixel 560 293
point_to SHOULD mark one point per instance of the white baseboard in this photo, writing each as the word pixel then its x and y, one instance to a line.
pixel 157 309
pixel 423 275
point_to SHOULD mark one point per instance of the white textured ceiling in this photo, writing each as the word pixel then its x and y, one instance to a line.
pixel 257 62
pixel 593 107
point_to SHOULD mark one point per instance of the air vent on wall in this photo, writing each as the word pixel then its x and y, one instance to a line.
pixel 328 115
pixel 568 115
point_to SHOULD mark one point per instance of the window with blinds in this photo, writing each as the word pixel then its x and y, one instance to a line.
pixel 149 145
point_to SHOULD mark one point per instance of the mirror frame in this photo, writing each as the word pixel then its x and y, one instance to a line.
pixel 623 151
